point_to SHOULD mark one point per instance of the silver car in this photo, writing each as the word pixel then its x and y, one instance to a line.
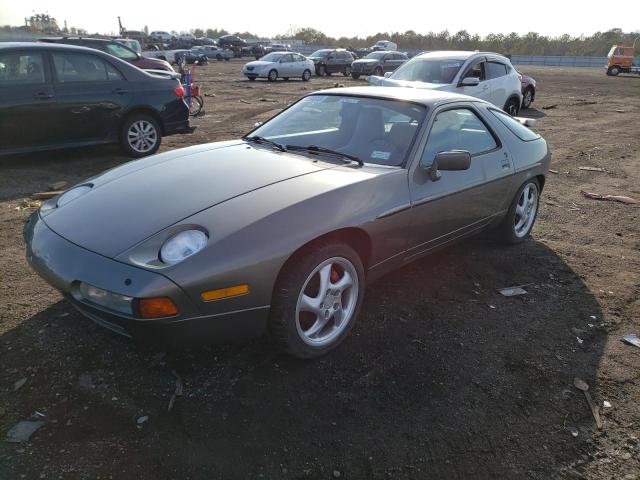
pixel 280 231
pixel 276 65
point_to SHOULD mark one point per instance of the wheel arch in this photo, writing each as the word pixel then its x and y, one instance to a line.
pixel 355 237
pixel 144 110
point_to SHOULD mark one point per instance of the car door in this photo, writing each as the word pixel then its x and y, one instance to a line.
pixel 477 70
pixel 496 73
pixel 287 67
pixel 460 202
pixel 91 95
pixel 28 116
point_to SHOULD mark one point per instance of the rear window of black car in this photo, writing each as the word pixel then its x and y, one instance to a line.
pixel 21 69
pixel 80 67
pixel 519 130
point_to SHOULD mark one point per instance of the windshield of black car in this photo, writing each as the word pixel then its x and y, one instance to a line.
pixel 272 57
pixel 378 131
pixel 428 70
pixel 121 52
pixel 320 53
pixel 376 55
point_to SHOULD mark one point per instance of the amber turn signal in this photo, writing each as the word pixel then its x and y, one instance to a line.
pixel 157 307
pixel 221 293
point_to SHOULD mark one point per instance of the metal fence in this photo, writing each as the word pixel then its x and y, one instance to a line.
pixel 558 61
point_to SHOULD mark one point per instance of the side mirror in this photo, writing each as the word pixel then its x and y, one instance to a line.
pixel 257 124
pixel 451 160
pixel 387 74
pixel 470 82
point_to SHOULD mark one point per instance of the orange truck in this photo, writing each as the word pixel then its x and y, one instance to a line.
pixel 621 60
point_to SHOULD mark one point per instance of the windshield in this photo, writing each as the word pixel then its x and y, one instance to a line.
pixel 320 53
pixel 271 57
pixel 121 52
pixel 428 70
pixel 374 130
pixel 376 55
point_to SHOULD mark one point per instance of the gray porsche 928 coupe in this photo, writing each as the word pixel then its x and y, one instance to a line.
pixel 281 229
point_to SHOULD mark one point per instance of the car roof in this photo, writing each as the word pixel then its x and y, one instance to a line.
pixel 455 54
pixel 424 96
pixel 84 39
pixel 45 46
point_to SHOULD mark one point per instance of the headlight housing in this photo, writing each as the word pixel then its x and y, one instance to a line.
pixel 71 195
pixel 182 245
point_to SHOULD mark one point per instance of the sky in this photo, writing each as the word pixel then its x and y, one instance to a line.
pixel 338 18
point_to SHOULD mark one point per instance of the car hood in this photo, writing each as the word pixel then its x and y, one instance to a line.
pixel 259 64
pixel 132 202
pixel 390 82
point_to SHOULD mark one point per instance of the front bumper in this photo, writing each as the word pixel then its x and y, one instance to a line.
pixel 64 265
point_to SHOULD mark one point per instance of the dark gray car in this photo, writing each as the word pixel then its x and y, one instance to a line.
pixel 332 60
pixel 282 229
pixel 377 63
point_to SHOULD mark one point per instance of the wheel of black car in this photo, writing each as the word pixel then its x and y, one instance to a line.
pixel 527 98
pixel 226 59
pixel 140 135
pixel 522 213
pixel 347 71
pixel 306 75
pixel 273 76
pixel 219 57
pixel 613 71
pixel 355 76
pixel 317 299
pixel 378 72
pixel 511 107
pixel 321 71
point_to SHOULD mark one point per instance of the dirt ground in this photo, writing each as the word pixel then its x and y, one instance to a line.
pixel 442 377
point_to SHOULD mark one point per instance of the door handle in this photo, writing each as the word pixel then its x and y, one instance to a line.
pixel 43 96
pixel 120 91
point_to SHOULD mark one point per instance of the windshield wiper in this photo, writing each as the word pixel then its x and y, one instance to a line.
pixel 317 149
pixel 259 139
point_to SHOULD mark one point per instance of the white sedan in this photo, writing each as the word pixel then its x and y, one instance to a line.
pixel 279 65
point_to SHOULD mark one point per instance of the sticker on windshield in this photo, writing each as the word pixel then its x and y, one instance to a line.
pixel 349 100
pixel 378 155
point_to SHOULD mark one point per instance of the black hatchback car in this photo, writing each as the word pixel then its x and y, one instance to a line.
pixel 377 63
pixel 332 60
pixel 58 96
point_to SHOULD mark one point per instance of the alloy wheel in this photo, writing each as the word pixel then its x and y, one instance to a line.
pixel 327 302
pixel 142 136
pixel 526 210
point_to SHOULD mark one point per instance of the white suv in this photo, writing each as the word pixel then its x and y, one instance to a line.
pixel 488 76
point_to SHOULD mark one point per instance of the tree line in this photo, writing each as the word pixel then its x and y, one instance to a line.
pixel 513 43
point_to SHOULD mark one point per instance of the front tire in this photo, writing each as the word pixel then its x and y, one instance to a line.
pixel 219 57
pixel 517 225
pixel 317 299
pixel 527 98
pixel 377 72
pixel 321 71
pixel 512 107
pixel 273 76
pixel 613 71
pixel 355 76
pixel 140 135
pixel 347 71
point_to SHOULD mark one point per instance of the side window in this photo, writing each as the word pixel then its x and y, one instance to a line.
pixel 287 59
pixel 78 67
pixel 21 69
pixel 476 71
pixel 495 70
pixel 519 130
pixel 457 129
pixel 121 52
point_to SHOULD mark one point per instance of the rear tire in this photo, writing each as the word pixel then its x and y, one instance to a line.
pixel 219 57
pixel 378 72
pixel 321 71
pixel 355 76
pixel 291 322
pixel 522 214
pixel 347 71
pixel 306 75
pixel 140 135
